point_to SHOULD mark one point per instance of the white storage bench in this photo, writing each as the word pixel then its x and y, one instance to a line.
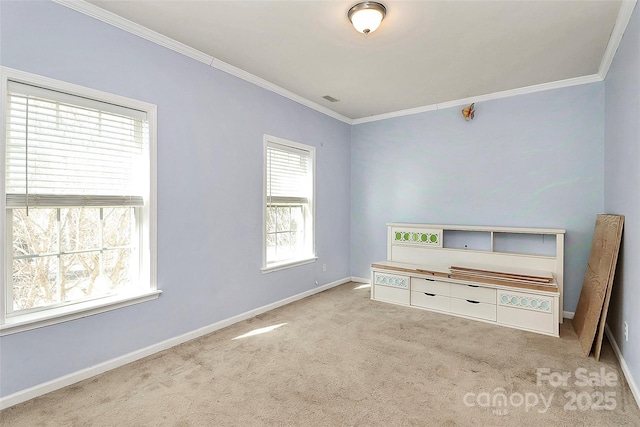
pixel 502 275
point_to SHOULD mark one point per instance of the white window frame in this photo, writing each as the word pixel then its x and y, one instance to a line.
pixel 148 245
pixel 307 258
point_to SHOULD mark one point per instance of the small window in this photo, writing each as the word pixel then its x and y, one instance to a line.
pixel 78 200
pixel 289 213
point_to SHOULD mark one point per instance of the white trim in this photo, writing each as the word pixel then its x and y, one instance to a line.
pixel 394 114
pixel 159 39
pixel 623 364
pixel 624 15
pixel 83 374
pixel 96 12
pixel 360 279
pixel 148 244
pixel 258 81
pixel 593 78
pixel 287 264
pixel 152 214
pixel 53 316
pixel 487 228
pixel 6 260
pixel 133 28
pixel 12 74
pixel 309 256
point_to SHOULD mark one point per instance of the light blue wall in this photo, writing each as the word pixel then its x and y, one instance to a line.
pixel 622 187
pixel 210 154
pixel 532 161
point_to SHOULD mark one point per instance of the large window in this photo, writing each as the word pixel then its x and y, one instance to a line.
pixel 289 190
pixel 79 206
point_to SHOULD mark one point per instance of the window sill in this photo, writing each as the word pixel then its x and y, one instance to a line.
pixel 53 316
pixel 288 264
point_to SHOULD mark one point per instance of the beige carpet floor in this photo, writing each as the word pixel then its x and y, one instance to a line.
pixel 340 359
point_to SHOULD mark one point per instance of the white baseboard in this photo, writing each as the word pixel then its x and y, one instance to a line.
pixel 83 374
pixel 360 279
pixel 623 364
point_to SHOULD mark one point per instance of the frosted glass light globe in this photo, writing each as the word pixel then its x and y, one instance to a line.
pixel 367 16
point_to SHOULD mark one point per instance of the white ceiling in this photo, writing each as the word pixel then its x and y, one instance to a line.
pixel 424 53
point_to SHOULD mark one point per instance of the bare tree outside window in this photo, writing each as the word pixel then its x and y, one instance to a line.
pixel 67 254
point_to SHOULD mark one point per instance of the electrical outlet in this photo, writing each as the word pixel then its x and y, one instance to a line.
pixel 324 267
pixel 626 331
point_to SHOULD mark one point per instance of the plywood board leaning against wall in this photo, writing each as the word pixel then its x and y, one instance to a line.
pixel 598 279
pixel 607 298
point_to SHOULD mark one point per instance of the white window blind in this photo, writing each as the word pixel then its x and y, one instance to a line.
pixel 289 212
pixel 66 150
pixel 289 175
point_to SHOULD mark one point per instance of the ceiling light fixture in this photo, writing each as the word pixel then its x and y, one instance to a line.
pixel 367 16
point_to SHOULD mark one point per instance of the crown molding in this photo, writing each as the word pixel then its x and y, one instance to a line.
pixel 157 38
pixel 593 78
pixel 258 81
pixel 624 15
pixel 133 28
pixel 394 114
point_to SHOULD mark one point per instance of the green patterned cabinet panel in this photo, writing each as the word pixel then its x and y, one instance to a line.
pixel 419 237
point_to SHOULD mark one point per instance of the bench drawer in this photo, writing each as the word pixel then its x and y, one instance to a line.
pixel 430 286
pixel 481 310
pixel 474 293
pixel 390 294
pixel 430 301
pixel 527 319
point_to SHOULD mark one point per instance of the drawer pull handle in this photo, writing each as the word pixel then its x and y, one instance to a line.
pixel 473 286
pixel 429 295
pixel 430 280
pixel 473 302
